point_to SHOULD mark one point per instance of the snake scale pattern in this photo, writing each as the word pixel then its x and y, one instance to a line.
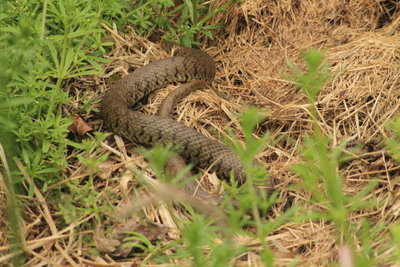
pixel 148 130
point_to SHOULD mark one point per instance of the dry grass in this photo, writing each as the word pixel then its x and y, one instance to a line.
pixel 361 42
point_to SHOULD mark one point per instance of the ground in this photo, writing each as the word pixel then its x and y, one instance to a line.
pixel 361 44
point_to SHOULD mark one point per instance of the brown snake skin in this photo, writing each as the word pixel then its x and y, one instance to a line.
pixel 176 164
pixel 148 130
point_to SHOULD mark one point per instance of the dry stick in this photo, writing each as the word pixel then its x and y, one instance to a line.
pixel 34 244
pixel 14 211
pixel 83 175
pixel 48 261
pixel 47 215
pixel 392 27
pixel 115 34
pixel 167 192
pixel 118 37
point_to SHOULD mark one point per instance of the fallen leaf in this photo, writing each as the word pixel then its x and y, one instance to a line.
pixel 79 125
pixel 112 242
pixel 105 169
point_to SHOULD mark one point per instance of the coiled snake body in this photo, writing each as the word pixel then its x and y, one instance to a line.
pixel 187 65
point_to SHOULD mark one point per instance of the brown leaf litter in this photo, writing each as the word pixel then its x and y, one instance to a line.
pixel 79 125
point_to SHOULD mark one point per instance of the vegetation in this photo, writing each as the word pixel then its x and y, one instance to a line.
pixel 45 44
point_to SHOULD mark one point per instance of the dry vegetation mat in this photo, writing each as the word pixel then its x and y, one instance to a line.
pixel 361 43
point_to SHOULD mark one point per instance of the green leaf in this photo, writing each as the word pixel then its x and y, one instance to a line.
pixel 68 61
pixel 54 54
pixel 16 101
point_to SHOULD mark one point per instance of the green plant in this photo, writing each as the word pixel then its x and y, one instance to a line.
pixel 181 23
pixel 320 169
pixel 392 146
pixel 395 230
pixel 39 49
pixel 192 22
pixel 15 50
pixel 43 45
